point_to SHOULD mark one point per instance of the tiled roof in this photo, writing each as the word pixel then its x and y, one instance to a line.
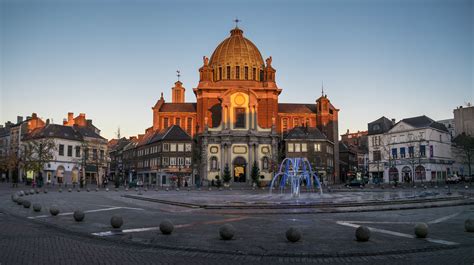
pixel 178 107
pixel 296 108
pixel 55 131
pixel 310 133
pixel 423 121
pixel 87 132
pixel 171 133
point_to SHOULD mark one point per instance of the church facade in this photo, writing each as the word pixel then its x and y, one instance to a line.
pixel 237 119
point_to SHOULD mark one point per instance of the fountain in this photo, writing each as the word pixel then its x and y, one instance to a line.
pixel 295 172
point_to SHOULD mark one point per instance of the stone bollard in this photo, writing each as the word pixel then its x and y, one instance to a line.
pixel 60 190
pixel 106 189
pixel 19 201
pixel 140 192
pixel 189 189
pixel 32 191
pixel 226 232
pixel 116 189
pixel 469 225
pixel 145 189
pixel 26 204
pixel 177 189
pixel 37 191
pixel 421 230
pixel 96 189
pixel 88 190
pixel 136 189
pixel 15 197
pixel 167 189
pixel 210 189
pixel 126 189
pixel 54 210
pixel 45 190
pixel 166 227
pixel 78 190
pixel 362 233
pixel 79 215
pixel 116 221
pixel 293 234
pixel 22 193
pixel 69 190
pixel 36 207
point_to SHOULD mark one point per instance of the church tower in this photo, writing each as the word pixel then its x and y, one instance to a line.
pixel 177 92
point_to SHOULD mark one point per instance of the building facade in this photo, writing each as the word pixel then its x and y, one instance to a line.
pixel 237 119
pixel 413 150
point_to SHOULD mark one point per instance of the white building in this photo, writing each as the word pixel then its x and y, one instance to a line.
pixel 413 150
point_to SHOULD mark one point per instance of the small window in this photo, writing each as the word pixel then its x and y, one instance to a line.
pixel 78 151
pixel 297 148
pixel 180 147
pixel 187 161
pixel 166 147
pixel 165 123
pixel 172 161
pixel 254 74
pixel 246 73
pixel 228 72
pixel 285 125
pixel 237 72
pixel 69 150
pixel 166 161
pixel 304 147
pixel 61 149
pixel 290 148
pixel 188 148
pixel 317 147
pixel 172 147
pixel 178 122
pixel 220 73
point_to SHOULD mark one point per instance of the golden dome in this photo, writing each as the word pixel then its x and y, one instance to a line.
pixel 236 51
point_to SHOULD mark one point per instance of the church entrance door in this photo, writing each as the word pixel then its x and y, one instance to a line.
pixel 239 169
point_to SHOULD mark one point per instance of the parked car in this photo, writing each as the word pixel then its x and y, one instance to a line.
pixel 453 179
pixel 355 183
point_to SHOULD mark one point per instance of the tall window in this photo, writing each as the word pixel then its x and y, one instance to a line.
pixel 296 122
pixel 220 73
pixel 78 151
pixel 178 122
pixel 411 151
pixel 394 153
pixel 317 147
pixel 290 148
pixel 285 125
pixel 61 149
pixel 172 161
pixel 304 147
pixel 180 161
pixel 166 147
pixel 246 73
pixel 237 72
pixel 69 150
pixel 239 118
pixel 254 74
pixel 165 122
pixel 422 150
pixel 228 72
pixel 94 154
pixel 402 152
pixel 189 126
pixel 377 156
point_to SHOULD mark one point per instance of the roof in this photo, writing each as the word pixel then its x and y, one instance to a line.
pixel 383 123
pixel 4 131
pixel 55 131
pixel 178 107
pixel 172 133
pixel 307 133
pixel 87 131
pixel 424 121
pixel 296 108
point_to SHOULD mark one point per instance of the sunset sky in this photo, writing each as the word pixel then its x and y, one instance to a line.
pixel 112 59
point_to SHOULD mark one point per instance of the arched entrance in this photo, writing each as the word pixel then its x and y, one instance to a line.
pixel 239 167
pixel 393 174
pixel 406 173
pixel 420 173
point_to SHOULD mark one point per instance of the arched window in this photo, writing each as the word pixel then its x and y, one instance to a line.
pixel 265 163
pixel 228 72
pixel 213 163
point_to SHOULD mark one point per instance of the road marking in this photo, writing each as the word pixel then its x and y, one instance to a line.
pixel 135 230
pixel 88 211
pixel 442 219
pixel 393 233
pixel 376 222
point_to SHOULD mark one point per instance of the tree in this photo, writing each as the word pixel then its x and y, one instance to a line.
pixel 465 144
pixel 226 177
pixel 255 174
pixel 36 154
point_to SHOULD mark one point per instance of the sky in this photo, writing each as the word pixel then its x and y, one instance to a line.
pixel 112 59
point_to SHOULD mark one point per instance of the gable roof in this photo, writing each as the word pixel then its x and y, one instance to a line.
pixel 178 107
pixel 383 123
pixel 296 108
pixel 424 121
pixel 87 131
pixel 55 131
pixel 306 133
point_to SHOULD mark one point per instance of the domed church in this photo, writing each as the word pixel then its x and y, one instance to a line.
pixel 237 119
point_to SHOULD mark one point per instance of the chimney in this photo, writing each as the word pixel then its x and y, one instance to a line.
pixel 64 121
pixel 19 119
pixel 47 122
pixel 393 121
pixel 33 115
pixel 70 118
pixel 347 131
